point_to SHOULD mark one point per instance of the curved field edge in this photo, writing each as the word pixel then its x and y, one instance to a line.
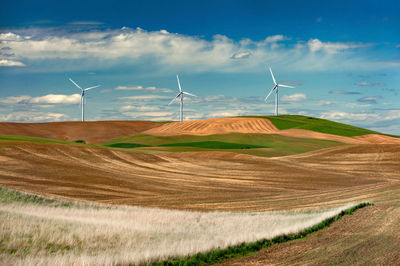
pixel 245 249
pixel 283 122
pixel 70 223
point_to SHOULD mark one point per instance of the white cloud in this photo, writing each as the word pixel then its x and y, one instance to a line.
pixel 172 52
pixel 15 99
pixel 323 102
pixel 370 99
pixel 241 55
pixel 367 83
pixel 57 98
pixel 143 97
pixel 226 113
pixel 146 115
pixel 6 62
pixel 344 92
pixel 33 117
pixel 331 47
pixel 157 114
pixel 138 108
pixel 339 115
pixel 386 121
pixel 294 97
pixel 140 88
pixel 275 38
pixel 9 36
pixel 49 99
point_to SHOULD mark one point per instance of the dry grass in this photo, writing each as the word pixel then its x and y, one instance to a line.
pixel 32 234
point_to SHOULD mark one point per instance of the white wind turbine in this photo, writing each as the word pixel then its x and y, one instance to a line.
pixel 83 97
pixel 276 88
pixel 180 94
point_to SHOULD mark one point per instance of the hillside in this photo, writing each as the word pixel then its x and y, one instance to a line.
pixel 283 129
pixel 283 122
pixel 309 170
pixel 90 132
pixel 201 180
pixel 214 126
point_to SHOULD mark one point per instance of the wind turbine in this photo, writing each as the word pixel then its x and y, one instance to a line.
pixel 83 96
pixel 276 88
pixel 180 94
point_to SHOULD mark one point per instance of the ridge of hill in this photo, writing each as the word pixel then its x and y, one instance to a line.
pixel 283 122
pixel 107 131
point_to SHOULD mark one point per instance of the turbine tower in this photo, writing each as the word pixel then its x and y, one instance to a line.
pixel 83 96
pixel 276 88
pixel 180 95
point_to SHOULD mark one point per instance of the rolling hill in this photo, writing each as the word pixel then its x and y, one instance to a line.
pixel 209 165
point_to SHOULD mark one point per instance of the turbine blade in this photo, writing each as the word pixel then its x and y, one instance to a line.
pixel 179 84
pixel 187 93
pixel 270 93
pixel 75 83
pixel 273 78
pixel 286 86
pixel 176 97
pixel 92 87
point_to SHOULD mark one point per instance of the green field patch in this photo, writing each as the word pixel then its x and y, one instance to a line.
pixel 126 145
pixel 213 145
pixel 265 145
pixel 283 122
pixel 30 139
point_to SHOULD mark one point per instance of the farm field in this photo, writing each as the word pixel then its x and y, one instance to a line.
pixel 230 172
pixel 55 232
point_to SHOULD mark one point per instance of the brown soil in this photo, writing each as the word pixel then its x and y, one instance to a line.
pixel 229 181
pixel 378 139
pixel 257 126
pixel 368 237
pixel 215 126
pixel 308 134
pixel 91 132
pixel 201 180
pixel 224 181
pixel 101 131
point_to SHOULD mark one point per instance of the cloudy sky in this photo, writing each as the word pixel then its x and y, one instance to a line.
pixel 343 59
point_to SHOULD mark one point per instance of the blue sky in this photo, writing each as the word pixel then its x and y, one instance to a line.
pixel 343 59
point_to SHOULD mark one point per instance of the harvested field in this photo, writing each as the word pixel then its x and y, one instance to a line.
pixel 368 237
pixel 105 131
pixel 227 181
pixel 202 180
pixel 91 132
pixel 215 126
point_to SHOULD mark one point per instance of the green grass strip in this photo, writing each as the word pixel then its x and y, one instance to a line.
pixel 126 145
pixel 213 145
pixel 244 249
pixel 8 196
pixel 31 139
